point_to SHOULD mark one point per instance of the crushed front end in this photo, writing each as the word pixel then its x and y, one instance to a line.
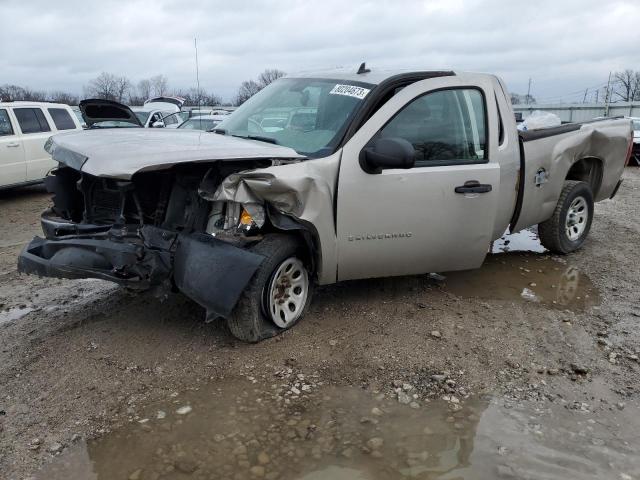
pixel 154 229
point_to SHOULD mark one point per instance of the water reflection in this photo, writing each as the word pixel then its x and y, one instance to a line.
pixel 520 276
pixel 523 241
pixel 244 430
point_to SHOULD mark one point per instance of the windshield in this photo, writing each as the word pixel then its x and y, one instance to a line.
pixel 199 124
pixel 142 116
pixel 636 125
pixel 308 115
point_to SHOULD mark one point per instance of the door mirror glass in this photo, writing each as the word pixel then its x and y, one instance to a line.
pixel 385 153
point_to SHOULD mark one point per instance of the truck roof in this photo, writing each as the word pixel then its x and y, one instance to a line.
pixel 370 75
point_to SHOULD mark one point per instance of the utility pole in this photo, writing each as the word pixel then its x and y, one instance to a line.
pixel 608 97
pixel 528 92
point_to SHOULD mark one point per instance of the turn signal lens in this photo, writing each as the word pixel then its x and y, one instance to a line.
pixel 245 218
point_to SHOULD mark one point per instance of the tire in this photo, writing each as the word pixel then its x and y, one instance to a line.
pixel 568 227
pixel 251 320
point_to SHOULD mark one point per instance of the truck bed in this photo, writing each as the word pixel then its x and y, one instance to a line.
pixel 549 156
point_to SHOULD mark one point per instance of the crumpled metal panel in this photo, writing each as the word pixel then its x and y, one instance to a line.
pixel 606 140
pixel 122 152
pixel 304 190
pixel 64 155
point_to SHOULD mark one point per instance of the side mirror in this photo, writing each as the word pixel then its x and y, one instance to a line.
pixel 385 153
pixel 158 124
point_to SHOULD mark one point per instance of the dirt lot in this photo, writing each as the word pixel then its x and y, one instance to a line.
pixel 82 363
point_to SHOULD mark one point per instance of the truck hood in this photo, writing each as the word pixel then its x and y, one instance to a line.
pixel 120 153
pixel 95 110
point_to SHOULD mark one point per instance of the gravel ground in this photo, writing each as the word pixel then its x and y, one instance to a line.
pixel 80 359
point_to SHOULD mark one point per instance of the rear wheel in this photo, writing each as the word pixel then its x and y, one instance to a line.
pixel 279 293
pixel 568 227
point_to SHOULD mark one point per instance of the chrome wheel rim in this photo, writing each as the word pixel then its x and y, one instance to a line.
pixel 577 216
pixel 288 291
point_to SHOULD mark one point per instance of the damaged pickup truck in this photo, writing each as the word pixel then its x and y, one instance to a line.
pixel 318 179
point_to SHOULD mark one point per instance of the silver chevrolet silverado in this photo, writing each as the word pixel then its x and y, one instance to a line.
pixel 318 178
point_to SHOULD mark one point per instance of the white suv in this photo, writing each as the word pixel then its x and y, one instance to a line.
pixel 24 129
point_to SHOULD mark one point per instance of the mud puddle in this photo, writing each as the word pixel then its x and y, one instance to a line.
pixel 245 430
pixel 518 270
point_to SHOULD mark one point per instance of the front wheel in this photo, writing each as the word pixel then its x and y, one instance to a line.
pixel 279 292
pixel 568 227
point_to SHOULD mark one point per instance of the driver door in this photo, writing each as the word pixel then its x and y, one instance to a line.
pixel 412 221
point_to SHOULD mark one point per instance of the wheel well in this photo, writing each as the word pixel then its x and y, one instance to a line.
pixel 587 170
pixel 305 233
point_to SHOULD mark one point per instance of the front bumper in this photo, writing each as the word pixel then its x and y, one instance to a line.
pixel 209 271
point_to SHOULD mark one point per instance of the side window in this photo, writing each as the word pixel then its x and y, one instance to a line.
pixel 31 120
pixel 5 124
pixel 61 119
pixel 446 127
pixel 171 119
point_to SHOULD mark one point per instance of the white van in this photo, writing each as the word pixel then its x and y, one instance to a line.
pixel 24 129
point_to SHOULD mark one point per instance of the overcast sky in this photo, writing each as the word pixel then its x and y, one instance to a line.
pixel 565 46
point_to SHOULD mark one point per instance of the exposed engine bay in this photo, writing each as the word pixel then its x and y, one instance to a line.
pixel 159 228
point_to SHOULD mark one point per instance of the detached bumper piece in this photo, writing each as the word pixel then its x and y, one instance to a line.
pixel 211 272
pixel 128 264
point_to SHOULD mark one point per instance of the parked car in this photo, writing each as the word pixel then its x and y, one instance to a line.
pixel 397 174
pixel 24 129
pixel 204 122
pixel 156 112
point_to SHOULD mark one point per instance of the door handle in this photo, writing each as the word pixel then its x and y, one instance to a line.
pixel 13 144
pixel 473 186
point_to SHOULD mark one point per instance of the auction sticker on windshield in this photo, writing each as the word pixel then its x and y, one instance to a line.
pixel 350 91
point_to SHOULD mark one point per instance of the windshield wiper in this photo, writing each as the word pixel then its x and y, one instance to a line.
pixel 221 131
pixel 258 138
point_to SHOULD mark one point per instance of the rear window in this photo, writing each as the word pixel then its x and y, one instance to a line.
pixel 31 120
pixel 62 119
pixel 5 123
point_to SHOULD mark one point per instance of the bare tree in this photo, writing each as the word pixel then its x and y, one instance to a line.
pixel 16 92
pixel 627 85
pixel 144 89
pixel 108 87
pixel 270 75
pixel 193 98
pixel 103 86
pixel 123 87
pixel 247 89
pixel 159 85
pixel 63 97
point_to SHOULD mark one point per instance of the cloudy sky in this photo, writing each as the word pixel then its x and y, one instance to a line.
pixel 565 46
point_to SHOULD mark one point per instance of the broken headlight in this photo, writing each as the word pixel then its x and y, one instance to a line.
pixel 233 217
